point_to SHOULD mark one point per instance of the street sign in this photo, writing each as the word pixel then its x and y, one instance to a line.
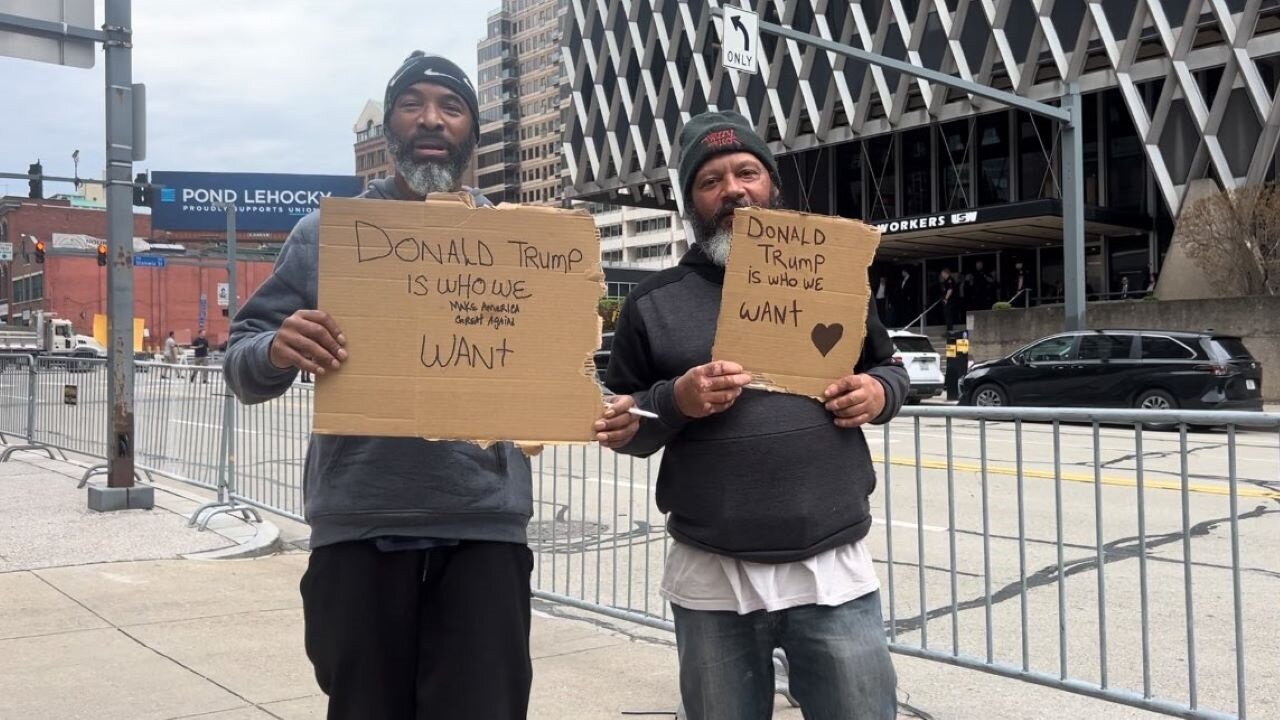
pixel 224 294
pixel 204 309
pixel 72 52
pixel 155 261
pixel 740 42
pixel 6 251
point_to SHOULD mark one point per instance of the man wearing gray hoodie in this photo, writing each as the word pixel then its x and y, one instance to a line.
pixel 416 595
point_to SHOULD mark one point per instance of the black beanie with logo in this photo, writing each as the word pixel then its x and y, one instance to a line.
pixel 715 133
pixel 421 67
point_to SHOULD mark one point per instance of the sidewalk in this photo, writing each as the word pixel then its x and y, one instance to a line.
pixel 102 617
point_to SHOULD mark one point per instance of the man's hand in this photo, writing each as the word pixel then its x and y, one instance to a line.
pixel 618 426
pixel 855 400
pixel 709 389
pixel 310 341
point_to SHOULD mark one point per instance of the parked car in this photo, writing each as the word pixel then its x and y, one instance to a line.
pixel 1149 369
pixel 601 357
pixel 922 362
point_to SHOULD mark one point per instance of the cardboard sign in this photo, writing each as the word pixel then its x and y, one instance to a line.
pixel 794 307
pixel 461 323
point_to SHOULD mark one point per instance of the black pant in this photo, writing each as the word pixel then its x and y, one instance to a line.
pixel 416 634
pixel 952 313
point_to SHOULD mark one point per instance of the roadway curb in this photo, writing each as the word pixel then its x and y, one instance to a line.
pixel 266 541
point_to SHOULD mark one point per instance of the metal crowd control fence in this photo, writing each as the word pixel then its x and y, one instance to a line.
pixel 1077 549
pixel 1081 550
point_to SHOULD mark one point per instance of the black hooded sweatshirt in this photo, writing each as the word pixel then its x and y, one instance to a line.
pixel 772 479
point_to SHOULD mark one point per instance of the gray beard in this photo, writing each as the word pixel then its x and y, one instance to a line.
pixel 717 247
pixel 428 177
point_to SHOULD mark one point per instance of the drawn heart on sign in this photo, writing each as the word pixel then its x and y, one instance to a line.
pixel 825 337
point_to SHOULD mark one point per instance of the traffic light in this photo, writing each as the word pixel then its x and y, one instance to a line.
pixel 102 254
pixel 142 194
pixel 40 251
pixel 36 183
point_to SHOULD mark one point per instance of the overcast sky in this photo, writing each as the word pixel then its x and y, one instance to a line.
pixel 233 85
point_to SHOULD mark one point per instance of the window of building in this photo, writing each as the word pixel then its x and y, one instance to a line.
pixel 1126 180
pixel 28 288
pixel 1090 149
pixel 848 180
pixel 917 172
pixel 1129 262
pixel 953 166
pixel 619 290
pixel 611 256
pixel 653 224
pixel 882 178
pixel 653 251
pixel 993 158
pixel 1037 157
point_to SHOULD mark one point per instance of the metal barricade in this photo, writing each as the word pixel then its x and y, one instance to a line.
pixel 1124 555
pixel 70 404
pixel 178 426
pixel 1085 551
pixel 1076 549
pixel 16 398
pixel 271 446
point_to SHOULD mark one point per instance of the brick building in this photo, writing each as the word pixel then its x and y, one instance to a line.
pixel 70 283
pixel 166 298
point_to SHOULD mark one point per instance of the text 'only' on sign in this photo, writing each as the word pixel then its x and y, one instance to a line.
pixel 740 41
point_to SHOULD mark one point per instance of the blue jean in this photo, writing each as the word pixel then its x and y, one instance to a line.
pixel 839 662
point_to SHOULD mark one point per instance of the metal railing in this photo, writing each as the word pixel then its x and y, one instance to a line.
pixel 921 317
pixel 1071 548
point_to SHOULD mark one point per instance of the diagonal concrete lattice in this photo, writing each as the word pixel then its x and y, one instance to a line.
pixel 638 69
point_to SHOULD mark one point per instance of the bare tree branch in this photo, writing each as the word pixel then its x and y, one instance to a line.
pixel 1234 237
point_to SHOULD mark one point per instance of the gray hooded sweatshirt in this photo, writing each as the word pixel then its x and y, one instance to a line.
pixel 367 487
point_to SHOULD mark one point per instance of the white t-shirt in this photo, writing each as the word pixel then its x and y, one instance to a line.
pixel 699 580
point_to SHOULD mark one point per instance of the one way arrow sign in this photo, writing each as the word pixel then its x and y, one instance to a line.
pixel 740 40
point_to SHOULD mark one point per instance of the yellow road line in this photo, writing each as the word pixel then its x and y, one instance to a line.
pixel 1242 490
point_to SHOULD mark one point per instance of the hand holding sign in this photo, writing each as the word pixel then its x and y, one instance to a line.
pixel 309 340
pixel 709 389
pixel 855 400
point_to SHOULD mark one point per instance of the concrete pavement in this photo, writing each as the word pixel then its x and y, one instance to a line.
pixel 102 617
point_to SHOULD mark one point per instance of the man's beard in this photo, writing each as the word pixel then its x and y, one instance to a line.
pixel 716 241
pixel 430 176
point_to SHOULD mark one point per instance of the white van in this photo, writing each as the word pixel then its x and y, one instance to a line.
pixel 922 362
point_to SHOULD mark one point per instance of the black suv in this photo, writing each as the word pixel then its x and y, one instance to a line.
pixel 1149 369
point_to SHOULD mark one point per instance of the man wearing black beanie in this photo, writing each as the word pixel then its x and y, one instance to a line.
pixel 432 122
pixel 766 494
pixel 416 595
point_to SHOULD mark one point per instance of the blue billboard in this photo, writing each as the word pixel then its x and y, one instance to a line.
pixel 265 202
